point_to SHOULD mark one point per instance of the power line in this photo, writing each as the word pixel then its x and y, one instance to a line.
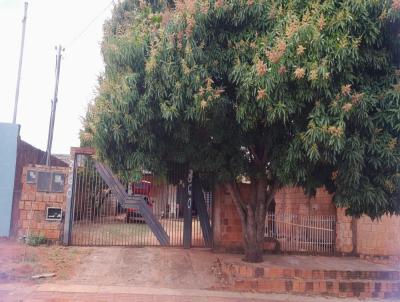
pixel 78 36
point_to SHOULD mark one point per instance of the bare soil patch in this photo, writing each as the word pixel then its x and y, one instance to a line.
pixel 19 262
pixel 148 267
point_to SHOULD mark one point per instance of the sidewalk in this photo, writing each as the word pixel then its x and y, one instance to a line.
pixel 79 293
pixel 176 275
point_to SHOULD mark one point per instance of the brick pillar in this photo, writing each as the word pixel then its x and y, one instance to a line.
pixel 227 229
pixel 33 206
pixel 344 232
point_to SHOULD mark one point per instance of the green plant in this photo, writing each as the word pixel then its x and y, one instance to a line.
pixel 35 240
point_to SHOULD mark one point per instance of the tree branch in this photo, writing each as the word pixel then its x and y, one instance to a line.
pixel 265 156
pixel 237 200
pixel 255 156
pixel 253 199
pixel 270 194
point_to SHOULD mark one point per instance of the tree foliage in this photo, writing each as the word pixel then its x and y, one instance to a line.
pixel 304 92
pixel 282 92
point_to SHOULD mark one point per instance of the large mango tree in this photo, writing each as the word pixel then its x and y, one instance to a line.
pixel 278 92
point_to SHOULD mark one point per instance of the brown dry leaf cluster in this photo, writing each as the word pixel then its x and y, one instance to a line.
pixel 347 107
pixel 261 68
pixel 346 89
pixel 275 55
pixel 299 73
pixel 335 131
pixel 261 94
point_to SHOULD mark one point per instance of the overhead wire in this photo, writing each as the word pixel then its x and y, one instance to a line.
pixel 84 30
pixel 77 37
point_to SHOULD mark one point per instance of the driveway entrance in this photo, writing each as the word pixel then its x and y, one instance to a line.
pixel 169 209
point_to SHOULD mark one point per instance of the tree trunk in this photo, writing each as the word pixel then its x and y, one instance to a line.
pixel 252 214
pixel 252 239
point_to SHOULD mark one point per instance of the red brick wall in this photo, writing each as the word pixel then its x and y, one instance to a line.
pixel 368 238
pixel 26 154
pixel 379 237
pixel 293 200
pixel 227 227
pixel 33 206
pixel 226 222
pixel 353 236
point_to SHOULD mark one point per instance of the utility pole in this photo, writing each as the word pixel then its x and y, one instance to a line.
pixel 20 63
pixel 53 107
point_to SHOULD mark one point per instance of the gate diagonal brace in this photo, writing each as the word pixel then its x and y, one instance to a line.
pixel 136 201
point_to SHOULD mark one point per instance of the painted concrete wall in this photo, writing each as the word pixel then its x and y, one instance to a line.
pixel 8 155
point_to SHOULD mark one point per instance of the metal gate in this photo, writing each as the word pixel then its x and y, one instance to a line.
pixel 300 233
pixel 157 210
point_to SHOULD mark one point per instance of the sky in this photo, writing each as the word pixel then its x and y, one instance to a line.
pixel 77 25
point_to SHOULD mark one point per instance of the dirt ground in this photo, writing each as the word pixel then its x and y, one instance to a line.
pixel 135 274
pixel 19 262
pixel 141 266
pixel 147 266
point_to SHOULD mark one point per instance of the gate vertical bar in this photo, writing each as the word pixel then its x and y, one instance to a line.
pixel 78 200
pixel 202 211
pixel 187 212
pixel 330 234
pixel 97 203
pixel 91 204
pixel 83 193
pixel 87 201
pixel 69 212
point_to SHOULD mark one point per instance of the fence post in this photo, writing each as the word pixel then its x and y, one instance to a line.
pixel 187 212
pixel 70 199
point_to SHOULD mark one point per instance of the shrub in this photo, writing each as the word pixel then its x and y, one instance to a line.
pixel 35 240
